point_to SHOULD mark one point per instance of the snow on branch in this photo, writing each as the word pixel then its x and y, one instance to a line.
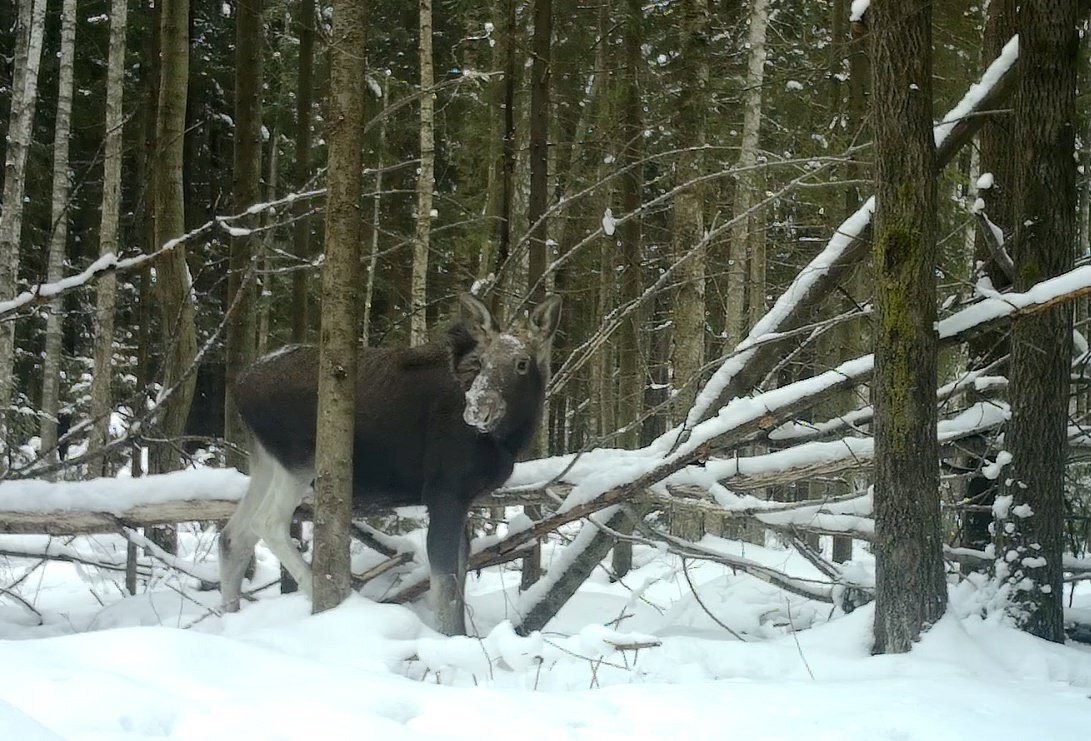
pixel 747 364
pixel 105 505
pixel 110 262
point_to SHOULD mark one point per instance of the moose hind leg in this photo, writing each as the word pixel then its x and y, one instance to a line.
pixel 447 559
pixel 238 538
pixel 274 520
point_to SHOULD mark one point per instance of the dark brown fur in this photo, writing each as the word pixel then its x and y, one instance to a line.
pixel 436 425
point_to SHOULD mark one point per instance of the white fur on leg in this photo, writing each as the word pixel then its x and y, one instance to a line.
pixel 238 538
pixel 273 519
pixel 265 513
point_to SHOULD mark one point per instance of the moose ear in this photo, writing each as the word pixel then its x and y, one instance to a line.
pixel 545 318
pixel 477 316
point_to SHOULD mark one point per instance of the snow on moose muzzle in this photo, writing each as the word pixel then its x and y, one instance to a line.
pixel 484 406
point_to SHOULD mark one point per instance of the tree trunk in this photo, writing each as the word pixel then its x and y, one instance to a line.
pixel 746 261
pixel 304 102
pixel 752 232
pixel 246 187
pixel 847 341
pixel 508 155
pixel 1041 344
pixel 29 27
pixel 687 221
pixel 538 200
pixel 911 593
pixel 630 385
pixel 58 238
pixel 178 335
pixel 337 342
pixel 997 143
pixel 426 182
pixel 106 290
pixel 376 219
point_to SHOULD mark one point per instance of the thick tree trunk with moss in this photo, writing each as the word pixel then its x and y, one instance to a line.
pixel 51 362
pixel 911 593
pixel 106 289
pixel 1041 344
pixel 337 342
pixel 246 186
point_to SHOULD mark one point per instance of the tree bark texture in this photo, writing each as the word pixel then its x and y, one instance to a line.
pixel 106 290
pixel 752 231
pixel 246 188
pixel 337 337
pixel 1041 345
pixel 687 221
pixel 58 238
pixel 29 27
pixel 426 183
pixel 628 260
pixel 172 279
pixel 740 312
pixel 911 593
pixel 538 199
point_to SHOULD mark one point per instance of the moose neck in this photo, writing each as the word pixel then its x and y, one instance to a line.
pixel 516 439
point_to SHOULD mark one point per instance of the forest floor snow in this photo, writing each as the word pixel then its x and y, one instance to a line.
pixel 96 664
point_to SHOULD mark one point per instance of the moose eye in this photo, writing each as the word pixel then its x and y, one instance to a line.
pixel 522 365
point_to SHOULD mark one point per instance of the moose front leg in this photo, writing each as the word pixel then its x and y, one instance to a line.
pixel 447 555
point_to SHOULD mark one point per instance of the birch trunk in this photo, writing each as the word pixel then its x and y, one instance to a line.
pixel 746 268
pixel 30 26
pixel 426 182
pixel 51 363
pixel 106 290
pixel 376 219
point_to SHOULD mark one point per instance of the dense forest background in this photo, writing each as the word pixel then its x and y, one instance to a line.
pixel 668 168
pixel 805 124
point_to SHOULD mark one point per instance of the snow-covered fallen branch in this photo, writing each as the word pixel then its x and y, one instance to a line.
pixel 44 292
pixel 106 505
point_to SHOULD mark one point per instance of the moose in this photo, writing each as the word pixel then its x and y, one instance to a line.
pixel 438 424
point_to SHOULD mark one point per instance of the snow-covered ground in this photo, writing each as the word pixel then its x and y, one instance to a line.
pixel 159 665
